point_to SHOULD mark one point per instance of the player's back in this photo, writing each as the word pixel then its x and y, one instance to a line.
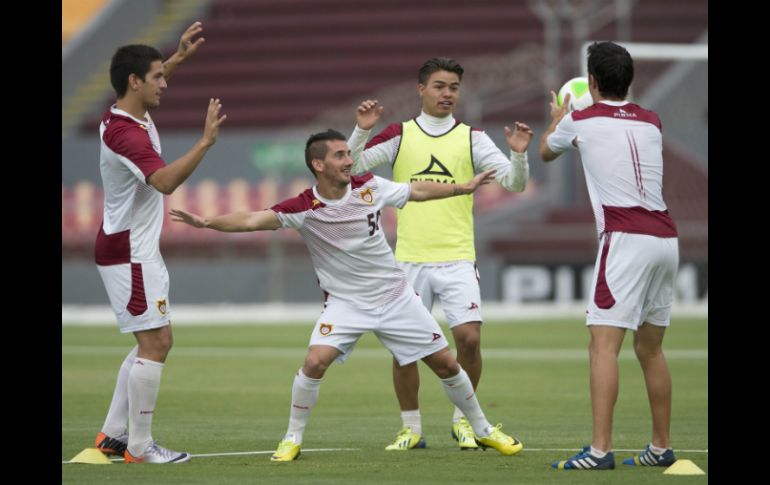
pixel 621 147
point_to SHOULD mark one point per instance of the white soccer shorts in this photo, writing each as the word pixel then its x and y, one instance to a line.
pixel 403 326
pixel 633 280
pixel 138 293
pixel 455 285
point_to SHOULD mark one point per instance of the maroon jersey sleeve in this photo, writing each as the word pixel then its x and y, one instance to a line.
pixel 131 140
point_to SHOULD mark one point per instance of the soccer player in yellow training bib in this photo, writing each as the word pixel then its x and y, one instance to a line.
pixel 435 239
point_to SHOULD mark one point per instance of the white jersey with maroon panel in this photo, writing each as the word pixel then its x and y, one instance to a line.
pixel 127 246
pixel 133 210
pixel 621 148
pixel 351 256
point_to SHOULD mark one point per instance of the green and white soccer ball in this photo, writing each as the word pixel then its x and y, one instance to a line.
pixel 580 97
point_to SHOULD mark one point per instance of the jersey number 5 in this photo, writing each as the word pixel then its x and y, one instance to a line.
pixel 374 222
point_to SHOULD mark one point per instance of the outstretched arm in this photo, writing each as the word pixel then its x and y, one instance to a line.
pixel 233 222
pixel 422 191
pixel 186 48
pixel 557 113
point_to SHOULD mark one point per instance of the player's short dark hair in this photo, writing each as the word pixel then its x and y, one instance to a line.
pixel 439 64
pixel 612 67
pixel 316 146
pixel 131 59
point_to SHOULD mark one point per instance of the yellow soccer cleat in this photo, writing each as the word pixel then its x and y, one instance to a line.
pixel 464 435
pixel 406 440
pixel 500 441
pixel 287 450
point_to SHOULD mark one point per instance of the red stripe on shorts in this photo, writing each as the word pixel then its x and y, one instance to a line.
pixel 138 302
pixel 602 294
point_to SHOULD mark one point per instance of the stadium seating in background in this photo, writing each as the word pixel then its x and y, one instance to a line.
pixel 82 206
pixel 276 68
pixel 75 15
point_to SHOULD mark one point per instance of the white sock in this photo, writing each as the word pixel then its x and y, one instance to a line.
pixel 457 415
pixel 598 453
pixel 656 450
pixel 460 391
pixel 143 385
pixel 117 416
pixel 304 395
pixel 411 419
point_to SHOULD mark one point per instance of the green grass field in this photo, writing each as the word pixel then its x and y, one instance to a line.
pixel 226 389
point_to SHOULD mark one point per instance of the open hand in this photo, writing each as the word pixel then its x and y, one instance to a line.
pixel 186 46
pixel 558 112
pixel 519 138
pixel 213 120
pixel 368 113
pixel 178 215
pixel 483 178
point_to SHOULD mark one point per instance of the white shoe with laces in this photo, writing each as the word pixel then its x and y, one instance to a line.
pixel 158 454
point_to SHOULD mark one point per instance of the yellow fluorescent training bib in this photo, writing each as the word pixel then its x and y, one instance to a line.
pixel 436 230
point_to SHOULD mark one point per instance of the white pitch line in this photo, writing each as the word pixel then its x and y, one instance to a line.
pixel 245 453
pixel 614 449
pixel 271 314
pixel 235 453
pixel 272 451
pixel 543 354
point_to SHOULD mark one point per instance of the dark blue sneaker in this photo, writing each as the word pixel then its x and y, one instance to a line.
pixel 586 461
pixel 648 458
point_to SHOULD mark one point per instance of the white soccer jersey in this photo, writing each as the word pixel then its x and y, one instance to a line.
pixel 133 210
pixel 621 147
pixel 351 256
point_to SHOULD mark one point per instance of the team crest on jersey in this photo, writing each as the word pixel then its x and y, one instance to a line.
pixel 436 336
pixel 367 196
pixel 161 304
pixel 325 329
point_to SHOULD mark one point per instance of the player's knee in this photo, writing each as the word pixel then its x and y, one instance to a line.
pixel 467 338
pixel 162 344
pixel 167 341
pixel 314 367
pixel 468 345
pixel 451 370
pixel 156 346
pixel 598 348
pixel 446 368
pixel 646 350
